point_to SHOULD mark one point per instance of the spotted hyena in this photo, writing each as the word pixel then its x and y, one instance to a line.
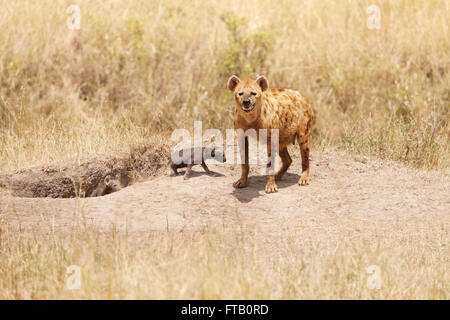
pixel 260 107
pixel 105 187
pixel 186 158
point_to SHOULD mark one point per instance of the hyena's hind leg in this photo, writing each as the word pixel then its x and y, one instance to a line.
pixel 271 186
pixel 303 141
pixel 286 162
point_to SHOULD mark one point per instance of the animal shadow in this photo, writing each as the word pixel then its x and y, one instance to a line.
pixel 256 184
pixel 194 174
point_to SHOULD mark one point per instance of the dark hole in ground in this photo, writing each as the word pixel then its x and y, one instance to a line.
pixel 80 180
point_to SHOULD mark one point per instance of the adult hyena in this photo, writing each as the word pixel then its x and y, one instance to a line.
pixel 261 107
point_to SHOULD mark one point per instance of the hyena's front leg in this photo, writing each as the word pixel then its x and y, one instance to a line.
pixel 242 182
pixel 270 182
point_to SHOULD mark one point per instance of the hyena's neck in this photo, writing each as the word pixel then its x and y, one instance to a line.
pixel 265 113
pixel 254 119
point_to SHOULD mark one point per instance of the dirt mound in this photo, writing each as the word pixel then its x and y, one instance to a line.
pixel 345 193
pixel 80 179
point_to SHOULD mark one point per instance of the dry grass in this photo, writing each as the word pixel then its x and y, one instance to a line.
pixel 139 68
pixel 221 264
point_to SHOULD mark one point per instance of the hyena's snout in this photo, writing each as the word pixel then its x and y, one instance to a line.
pixel 247 105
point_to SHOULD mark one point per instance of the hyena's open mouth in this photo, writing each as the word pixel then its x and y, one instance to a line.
pixel 248 108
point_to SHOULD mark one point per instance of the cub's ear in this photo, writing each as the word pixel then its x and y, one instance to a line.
pixel 262 83
pixel 107 179
pixel 233 82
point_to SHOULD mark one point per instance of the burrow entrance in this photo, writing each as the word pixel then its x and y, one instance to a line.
pixel 81 179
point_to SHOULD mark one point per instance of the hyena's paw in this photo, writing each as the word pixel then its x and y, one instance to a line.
pixel 241 183
pixel 304 179
pixel 271 187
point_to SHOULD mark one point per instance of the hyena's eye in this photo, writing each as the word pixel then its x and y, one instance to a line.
pixel 240 93
pixel 254 93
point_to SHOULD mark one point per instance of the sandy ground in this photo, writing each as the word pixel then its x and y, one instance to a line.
pixel 347 195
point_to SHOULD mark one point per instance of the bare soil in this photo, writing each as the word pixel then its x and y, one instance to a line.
pixel 346 194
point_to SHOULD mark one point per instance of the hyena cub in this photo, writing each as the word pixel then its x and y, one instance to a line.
pixel 185 158
pixel 106 187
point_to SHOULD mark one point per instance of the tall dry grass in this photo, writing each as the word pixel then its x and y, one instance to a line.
pixel 223 263
pixel 137 69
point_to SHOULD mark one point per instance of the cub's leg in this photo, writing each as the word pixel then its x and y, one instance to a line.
pixel 188 171
pixel 286 160
pixel 242 182
pixel 270 182
pixel 205 167
pixel 173 170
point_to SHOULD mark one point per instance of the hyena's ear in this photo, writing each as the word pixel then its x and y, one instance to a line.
pixel 233 82
pixel 262 83
pixel 107 179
